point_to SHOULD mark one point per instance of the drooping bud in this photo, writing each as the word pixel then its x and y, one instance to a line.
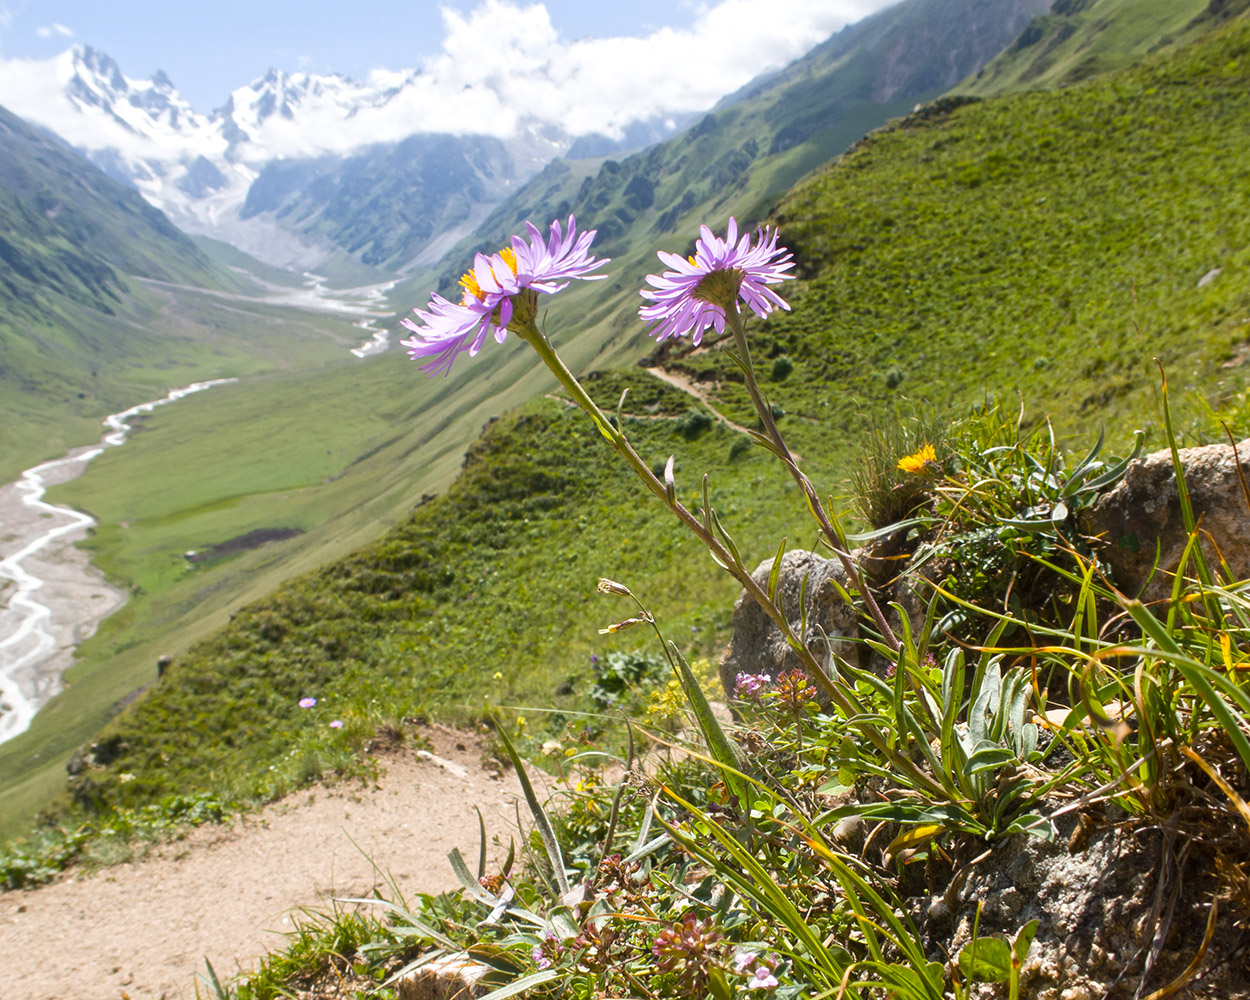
pixel 623 625
pixel 607 586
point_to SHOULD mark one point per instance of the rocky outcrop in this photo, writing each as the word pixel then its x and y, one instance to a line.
pixel 1140 519
pixel 451 977
pixel 758 646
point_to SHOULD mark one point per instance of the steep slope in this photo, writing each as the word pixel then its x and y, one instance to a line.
pixel 757 143
pixel 1050 242
pixel 80 336
pixel 1076 39
pixel 67 228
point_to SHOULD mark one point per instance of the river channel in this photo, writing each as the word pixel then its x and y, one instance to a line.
pixel 51 597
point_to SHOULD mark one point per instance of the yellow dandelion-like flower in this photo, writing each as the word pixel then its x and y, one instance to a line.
pixel 917 462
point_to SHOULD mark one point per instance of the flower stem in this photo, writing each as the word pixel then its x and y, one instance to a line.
pixel 839 695
pixel 832 536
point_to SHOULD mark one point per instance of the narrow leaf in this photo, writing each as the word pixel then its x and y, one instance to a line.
pixel 523 984
pixel 545 830
pixel 774 574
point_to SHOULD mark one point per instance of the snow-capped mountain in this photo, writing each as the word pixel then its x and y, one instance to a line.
pixel 199 169
pixel 142 132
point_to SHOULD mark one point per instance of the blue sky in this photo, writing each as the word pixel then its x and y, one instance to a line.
pixel 209 47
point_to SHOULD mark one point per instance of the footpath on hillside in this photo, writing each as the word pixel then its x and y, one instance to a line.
pixel 230 894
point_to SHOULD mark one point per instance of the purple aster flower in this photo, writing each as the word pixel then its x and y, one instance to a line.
pixel 500 294
pixel 336 724
pixel 307 702
pixel 696 293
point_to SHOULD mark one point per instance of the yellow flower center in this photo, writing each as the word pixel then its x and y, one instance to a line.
pixel 468 281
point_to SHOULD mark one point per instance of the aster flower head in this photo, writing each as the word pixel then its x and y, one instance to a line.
pixel 307 702
pixel 500 293
pixel 699 289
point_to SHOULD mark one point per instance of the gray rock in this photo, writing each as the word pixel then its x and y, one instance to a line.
pixel 1095 918
pixel 1142 514
pixel 758 647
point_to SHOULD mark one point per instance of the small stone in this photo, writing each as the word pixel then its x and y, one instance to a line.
pixel 449 978
pixel 1209 277
pixel 1010 902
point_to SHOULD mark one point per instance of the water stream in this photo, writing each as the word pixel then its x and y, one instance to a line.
pixel 51 597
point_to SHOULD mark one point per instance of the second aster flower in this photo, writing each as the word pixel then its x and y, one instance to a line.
pixel 699 289
pixel 500 293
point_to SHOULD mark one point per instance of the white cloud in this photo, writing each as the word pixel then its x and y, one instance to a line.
pixel 501 67
pixel 503 64
pixel 49 30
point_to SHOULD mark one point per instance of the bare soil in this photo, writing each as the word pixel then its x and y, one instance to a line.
pixel 143 930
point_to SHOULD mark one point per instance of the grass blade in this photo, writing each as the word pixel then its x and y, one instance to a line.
pixel 545 830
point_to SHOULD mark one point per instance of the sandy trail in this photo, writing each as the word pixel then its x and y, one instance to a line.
pixel 143 930
pixel 692 388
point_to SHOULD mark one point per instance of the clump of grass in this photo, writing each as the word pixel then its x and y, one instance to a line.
pixel 330 954
pixel 109 838
pixel 882 492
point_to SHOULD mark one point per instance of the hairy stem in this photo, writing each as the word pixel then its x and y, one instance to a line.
pixel 765 411
pixel 839 695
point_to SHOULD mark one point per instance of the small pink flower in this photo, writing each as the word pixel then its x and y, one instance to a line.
pixel 744 960
pixel 336 724
pixel 750 685
pixel 307 702
pixel 759 967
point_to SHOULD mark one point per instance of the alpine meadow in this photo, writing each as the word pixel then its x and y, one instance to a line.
pixel 854 596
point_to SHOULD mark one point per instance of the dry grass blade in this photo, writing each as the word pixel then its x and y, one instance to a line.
pixel 1191 970
pixel 1241 475
pixel 1238 802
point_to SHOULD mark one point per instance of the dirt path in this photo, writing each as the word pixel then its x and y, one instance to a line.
pixel 141 931
pixel 693 389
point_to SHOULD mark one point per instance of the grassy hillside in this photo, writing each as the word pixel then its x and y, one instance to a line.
pixel 467 588
pixel 1049 243
pixel 80 337
pixel 1077 39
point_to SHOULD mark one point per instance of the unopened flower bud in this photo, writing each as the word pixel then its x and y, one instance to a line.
pixel 607 586
pixel 621 626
